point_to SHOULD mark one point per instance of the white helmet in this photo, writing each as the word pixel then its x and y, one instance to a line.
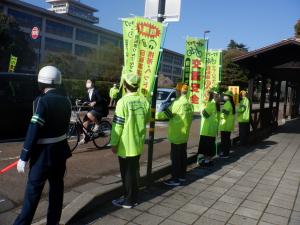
pixel 49 75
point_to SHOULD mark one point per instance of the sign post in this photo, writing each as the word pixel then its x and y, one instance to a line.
pixel 35 34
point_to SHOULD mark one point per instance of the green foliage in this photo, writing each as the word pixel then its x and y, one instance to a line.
pixel 233 74
pixel 13 41
pixel 104 63
pixel 297 29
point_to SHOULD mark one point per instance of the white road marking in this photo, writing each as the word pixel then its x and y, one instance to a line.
pixel 9 158
pixel 2 200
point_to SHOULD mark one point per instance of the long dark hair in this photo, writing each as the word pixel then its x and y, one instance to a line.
pixel 211 97
pixel 232 104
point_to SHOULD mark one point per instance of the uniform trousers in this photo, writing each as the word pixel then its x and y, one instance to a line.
pixel 179 160
pixel 38 175
pixel 225 142
pixel 244 129
pixel 130 172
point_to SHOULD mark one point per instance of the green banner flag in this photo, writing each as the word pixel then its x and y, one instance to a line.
pixel 12 63
pixel 213 71
pixel 142 42
pixel 194 69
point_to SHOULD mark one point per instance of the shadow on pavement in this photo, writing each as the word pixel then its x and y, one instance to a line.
pixel 153 193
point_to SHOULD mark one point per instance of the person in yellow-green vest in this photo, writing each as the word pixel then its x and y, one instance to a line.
pixel 226 123
pixel 113 94
pixel 180 115
pixel 244 118
pixel 128 137
pixel 209 129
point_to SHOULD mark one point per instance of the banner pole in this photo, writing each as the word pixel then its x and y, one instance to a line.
pixel 161 12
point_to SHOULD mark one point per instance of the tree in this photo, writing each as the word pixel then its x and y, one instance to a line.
pixel 13 42
pixel 105 63
pixel 164 82
pixel 232 73
pixel 297 29
pixel 69 66
pixel 234 45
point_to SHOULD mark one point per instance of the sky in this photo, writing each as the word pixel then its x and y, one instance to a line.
pixel 255 23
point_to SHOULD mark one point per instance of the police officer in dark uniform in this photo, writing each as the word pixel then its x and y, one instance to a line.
pixel 46 148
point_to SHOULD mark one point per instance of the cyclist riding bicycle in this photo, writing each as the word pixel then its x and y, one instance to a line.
pixel 99 108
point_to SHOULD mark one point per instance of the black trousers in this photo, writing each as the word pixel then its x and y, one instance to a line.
pixel 36 180
pixel 244 129
pixel 130 172
pixel 225 142
pixel 179 160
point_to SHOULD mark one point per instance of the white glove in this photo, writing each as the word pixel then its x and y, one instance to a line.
pixel 21 166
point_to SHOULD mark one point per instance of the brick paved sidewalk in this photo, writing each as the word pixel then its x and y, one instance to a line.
pixel 258 185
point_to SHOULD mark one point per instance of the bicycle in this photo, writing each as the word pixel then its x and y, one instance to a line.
pixel 76 130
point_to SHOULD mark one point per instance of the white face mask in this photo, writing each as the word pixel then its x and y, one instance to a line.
pixel 88 85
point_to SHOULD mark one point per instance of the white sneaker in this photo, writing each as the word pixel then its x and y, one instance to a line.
pixel 82 141
pixel 96 128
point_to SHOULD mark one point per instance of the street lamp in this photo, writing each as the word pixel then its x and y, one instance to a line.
pixel 205 32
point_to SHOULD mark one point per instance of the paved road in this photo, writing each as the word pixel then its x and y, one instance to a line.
pixel 258 185
pixel 86 164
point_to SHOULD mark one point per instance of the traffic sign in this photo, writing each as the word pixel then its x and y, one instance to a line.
pixel 35 33
pixel 172 10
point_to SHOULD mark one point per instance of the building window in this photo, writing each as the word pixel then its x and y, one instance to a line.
pixel 105 40
pixel 24 19
pixel 167 58
pixel 166 68
pixel 177 70
pixel 58 46
pixel 59 29
pixel 85 36
pixel 178 60
pixel 82 50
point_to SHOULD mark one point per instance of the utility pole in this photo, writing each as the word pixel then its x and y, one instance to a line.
pixel 160 18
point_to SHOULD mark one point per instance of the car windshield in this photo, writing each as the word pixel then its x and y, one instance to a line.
pixel 162 95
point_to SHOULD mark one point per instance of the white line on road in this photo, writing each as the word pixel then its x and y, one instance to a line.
pixel 9 158
pixel 2 200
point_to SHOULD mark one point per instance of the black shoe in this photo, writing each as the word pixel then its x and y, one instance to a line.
pixel 172 182
pixel 210 164
pixel 120 202
pixel 203 165
pixel 182 179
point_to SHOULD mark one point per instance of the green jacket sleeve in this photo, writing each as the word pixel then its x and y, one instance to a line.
pixel 166 114
pixel 118 124
pixel 242 107
pixel 111 93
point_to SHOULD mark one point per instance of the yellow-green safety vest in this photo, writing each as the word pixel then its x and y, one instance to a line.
pixel 113 93
pixel 227 118
pixel 209 120
pixel 180 115
pixel 129 125
pixel 244 111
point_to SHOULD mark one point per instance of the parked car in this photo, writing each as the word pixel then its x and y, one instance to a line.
pixel 17 93
pixel 165 97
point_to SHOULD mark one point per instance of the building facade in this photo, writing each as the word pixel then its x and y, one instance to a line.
pixel 68 27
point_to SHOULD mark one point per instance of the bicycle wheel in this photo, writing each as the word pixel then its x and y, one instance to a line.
pixel 73 135
pixel 103 134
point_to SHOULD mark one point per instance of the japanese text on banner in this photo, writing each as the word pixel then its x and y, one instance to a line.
pixel 194 62
pixel 213 69
pixel 12 63
pixel 142 43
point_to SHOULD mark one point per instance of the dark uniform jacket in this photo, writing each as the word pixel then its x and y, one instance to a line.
pixel 101 103
pixel 45 143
